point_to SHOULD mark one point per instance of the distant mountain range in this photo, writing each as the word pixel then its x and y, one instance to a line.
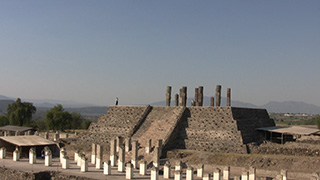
pixel 96 111
pixel 272 106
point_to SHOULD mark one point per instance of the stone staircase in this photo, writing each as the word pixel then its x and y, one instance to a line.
pixel 158 125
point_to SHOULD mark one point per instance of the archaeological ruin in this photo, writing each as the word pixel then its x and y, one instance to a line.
pixel 213 128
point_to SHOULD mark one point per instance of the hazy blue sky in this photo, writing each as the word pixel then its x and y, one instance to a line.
pixel 93 51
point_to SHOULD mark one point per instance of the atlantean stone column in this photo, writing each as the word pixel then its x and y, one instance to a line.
pixel 99 156
pixel 176 100
pixel 196 96
pixel 32 155
pixel 183 96
pixel 61 152
pixel 16 154
pixel 93 153
pixel 113 152
pixel 121 160
pixel 56 136
pixel 212 101
pixel 134 159
pixel 168 96
pixel 284 174
pixel 2 153
pixel 200 95
pixel 229 97
pixel 218 95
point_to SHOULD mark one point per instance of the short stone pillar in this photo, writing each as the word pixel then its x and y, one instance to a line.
pixel 56 136
pixel 47 156
pixel 107 168
pixel 84 163
pixel 178 175
pixel 99 156
pixel 127 143
pixel 237 178
pixel 76 155
pixel 121 160
pixel 62 150
pixel 206 177
pixel 134 158
pixel 156 157
pixel 189 173
pixel 129 171
pixel 228 96
pixel 93 153
pixel 32 155
pixel 168 96
pixel 148 146
pixel 16 154
pixel 154 173
pixel 17 133
pixel 159 146
pixel 200 170
pixel 79 159
pixel 218 95
pixel 166 171
pixel 46 135
pixel 143 168
pixel 245 175
pixel 65 161
pixel 178 166
pixel 176 99
pixel 226 173
pixel 113 156
pixel 252 173
pixel 284 174
pixel 119 142
pixel 216 174
pixel 3 153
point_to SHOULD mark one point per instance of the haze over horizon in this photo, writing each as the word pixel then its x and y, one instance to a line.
pixel 94 51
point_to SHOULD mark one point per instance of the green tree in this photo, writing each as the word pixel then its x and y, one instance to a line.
pixel 4 120
pixel 57 118
pixel 85 124
pixel 76 121
pixel 317 120
pixel 20 113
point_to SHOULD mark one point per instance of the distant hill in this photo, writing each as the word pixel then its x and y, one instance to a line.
pixel 272 107
pixel 3 106
pixel 291 107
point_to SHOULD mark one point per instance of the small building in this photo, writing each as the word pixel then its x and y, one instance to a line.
pixel 282 134
pixel 16 130
pixel 24 143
